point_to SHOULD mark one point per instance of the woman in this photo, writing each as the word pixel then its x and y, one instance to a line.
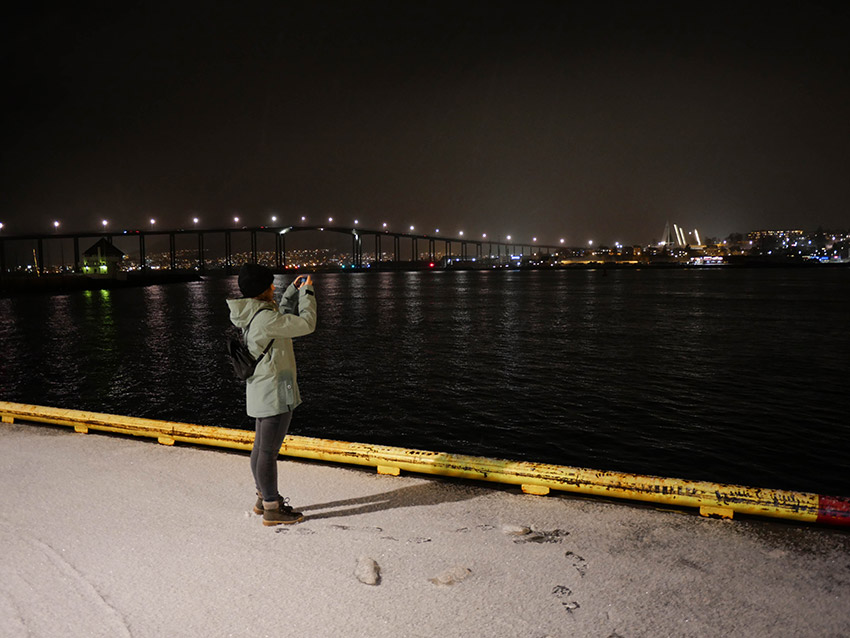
pixel 272 392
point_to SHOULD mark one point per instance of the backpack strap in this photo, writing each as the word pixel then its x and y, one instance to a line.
pixel 245 329
pixel 266 350
pixel 245 333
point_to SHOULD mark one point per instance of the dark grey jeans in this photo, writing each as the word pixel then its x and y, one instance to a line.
pixel 270 432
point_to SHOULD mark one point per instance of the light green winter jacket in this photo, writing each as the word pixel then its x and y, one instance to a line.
pixel 273 389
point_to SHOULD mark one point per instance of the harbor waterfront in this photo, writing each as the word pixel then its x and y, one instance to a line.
pixel 725 376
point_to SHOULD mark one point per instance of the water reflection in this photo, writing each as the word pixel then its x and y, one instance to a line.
pixel 63 375
pixel 99 332
pixel 14 348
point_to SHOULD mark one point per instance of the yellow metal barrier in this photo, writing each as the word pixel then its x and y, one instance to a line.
pixel 712 499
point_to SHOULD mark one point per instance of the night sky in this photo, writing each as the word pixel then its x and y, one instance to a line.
pixel 582 120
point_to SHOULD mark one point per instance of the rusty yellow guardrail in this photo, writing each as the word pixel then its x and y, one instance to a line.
pixel 712 499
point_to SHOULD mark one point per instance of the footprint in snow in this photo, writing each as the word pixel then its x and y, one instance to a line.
pixel 564 595
pixel 578 562
pixel 543 536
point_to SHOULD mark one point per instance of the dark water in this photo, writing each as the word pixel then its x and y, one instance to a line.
pixel 736 376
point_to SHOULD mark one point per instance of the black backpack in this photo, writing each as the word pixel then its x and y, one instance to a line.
pixel 243 363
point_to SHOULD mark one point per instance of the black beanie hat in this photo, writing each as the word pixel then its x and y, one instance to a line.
pixel 254 280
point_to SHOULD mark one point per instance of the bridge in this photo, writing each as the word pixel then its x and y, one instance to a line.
pixel 454 248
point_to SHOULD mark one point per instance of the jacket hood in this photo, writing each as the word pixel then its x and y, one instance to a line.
pixel 241 310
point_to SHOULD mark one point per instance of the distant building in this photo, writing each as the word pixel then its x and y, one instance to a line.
pixel 775 236
pixel 102 259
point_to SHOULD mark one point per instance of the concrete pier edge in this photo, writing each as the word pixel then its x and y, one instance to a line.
pixel 711 499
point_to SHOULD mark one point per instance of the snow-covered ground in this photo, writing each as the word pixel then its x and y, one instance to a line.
pixel 112 536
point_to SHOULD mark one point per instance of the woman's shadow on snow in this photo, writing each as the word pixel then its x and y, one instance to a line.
pixel 429 493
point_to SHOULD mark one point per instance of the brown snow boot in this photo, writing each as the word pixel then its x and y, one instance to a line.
pixel 280 513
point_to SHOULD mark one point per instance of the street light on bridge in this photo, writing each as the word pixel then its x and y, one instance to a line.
pixel 153 221
pixel 56 225
pixel 104 222
pixel 195 220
